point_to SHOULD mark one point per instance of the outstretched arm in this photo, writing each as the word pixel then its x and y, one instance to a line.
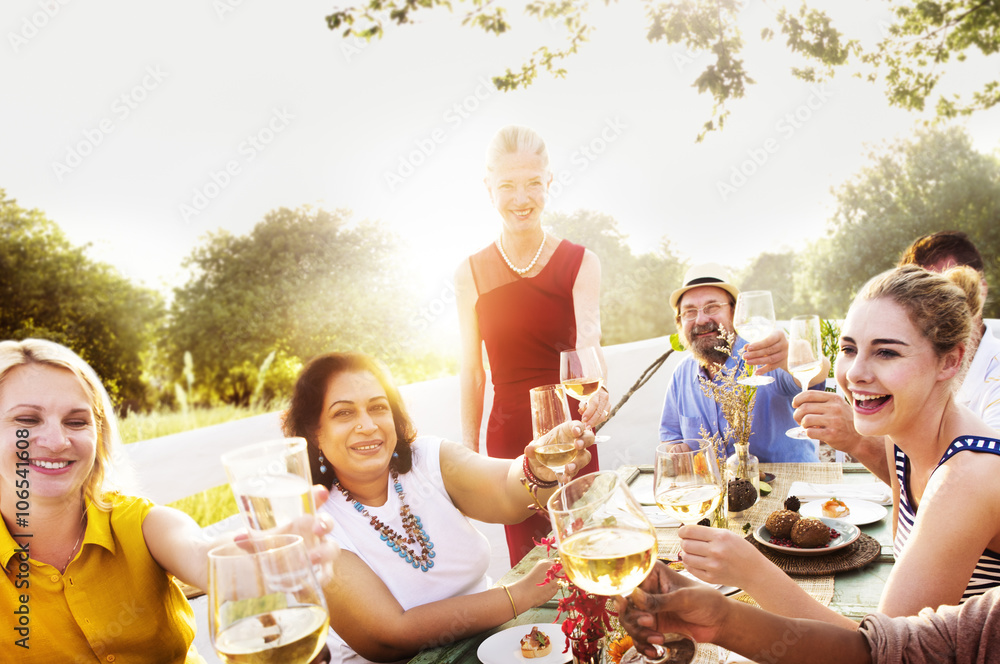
pixel 667 602
pixel 472 377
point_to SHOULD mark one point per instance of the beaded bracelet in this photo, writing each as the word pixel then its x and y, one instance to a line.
pixel 530 476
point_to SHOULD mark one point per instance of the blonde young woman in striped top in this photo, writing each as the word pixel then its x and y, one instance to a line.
pixel 902 355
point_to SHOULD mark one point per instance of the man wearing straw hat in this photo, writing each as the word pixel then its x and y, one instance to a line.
pixel 704 309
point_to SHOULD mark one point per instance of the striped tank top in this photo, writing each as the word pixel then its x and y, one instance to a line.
pixel 987 572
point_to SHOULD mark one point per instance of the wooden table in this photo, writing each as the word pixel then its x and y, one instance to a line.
pixel 856 593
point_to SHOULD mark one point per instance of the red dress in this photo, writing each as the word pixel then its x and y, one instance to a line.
pixel 525 324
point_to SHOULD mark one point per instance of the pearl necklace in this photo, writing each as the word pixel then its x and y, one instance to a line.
pixel 415 532
pixel 534 260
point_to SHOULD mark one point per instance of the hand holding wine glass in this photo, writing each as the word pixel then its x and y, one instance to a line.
pixel 265 604
pixel 549 409
pixel 805 357
pixel 606 544
pixel 687 482
pixel 754 319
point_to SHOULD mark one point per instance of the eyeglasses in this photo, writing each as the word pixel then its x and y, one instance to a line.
pixel 709 309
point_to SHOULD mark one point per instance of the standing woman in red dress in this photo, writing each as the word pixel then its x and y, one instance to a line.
pixel 528 296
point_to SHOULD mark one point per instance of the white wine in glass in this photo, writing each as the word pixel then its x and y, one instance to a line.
pixel 549 409
pixel 265 604
pixel 754 319
pixel 581 373
pixel 271 482
pixel 606 544
pixel 687 483
pixel 805 353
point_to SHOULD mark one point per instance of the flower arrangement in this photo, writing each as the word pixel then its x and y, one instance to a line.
pixel 588 618
pixel 737 403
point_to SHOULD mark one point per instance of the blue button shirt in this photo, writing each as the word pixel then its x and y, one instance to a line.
pixel 686 409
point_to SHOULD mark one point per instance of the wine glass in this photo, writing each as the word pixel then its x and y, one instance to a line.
pixel 753 319
pixel 271 482
pixel 805 357
pixel 549 409
pixel 687 483
pixel 581 373
pixel 606 544
pixel 265 604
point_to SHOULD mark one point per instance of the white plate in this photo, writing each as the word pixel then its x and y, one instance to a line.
pixel 505 647
pixel 848 533
pixel 862 511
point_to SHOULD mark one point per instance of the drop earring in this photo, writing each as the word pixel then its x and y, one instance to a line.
pixel 322 464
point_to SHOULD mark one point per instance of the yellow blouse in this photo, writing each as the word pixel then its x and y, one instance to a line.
pixel 114 604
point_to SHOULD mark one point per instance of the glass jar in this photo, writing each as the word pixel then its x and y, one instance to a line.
pixel 742 487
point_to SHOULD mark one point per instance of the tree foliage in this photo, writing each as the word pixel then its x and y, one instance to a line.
pixel 303 282
pixel 769 271
pixel 922 37
pixel 50 289
pixel 935 181
pixel 634 289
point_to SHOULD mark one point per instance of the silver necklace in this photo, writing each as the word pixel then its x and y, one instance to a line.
pixel 522 270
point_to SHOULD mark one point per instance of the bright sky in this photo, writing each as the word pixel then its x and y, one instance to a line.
pixel 122 118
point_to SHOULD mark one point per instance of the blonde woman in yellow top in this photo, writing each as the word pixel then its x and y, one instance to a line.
pixel 88 572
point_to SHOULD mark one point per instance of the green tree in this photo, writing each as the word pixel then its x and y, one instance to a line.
pixel 932 182
pixel 634 289
pixel 910 59
pixel 50 289
pixel 301 283
pixel 769 271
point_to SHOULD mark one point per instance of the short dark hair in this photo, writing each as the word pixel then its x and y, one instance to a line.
pixel 930 249
pixel 302 417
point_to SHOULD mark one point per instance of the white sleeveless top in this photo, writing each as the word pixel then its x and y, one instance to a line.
pixel 462 553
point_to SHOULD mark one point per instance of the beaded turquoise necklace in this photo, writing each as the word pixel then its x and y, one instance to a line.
pixel 415 532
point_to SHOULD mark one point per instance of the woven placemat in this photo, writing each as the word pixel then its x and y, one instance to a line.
pixel 861 552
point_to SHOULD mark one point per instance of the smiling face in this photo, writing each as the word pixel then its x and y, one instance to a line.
pixel 701 335
pixel 356 433
pixel 889 369
pixel 517 187
pixel 52 406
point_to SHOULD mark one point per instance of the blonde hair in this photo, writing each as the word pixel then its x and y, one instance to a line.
pixel 513 139
pixel 938 307
pixel 970 281
pixel 102 479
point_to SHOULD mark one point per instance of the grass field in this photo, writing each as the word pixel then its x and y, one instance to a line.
pixel 208 506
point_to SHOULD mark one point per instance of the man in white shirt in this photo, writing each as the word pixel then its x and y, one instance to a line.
pixel 828 416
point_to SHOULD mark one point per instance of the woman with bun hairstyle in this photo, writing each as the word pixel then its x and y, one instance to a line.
pixel 902 354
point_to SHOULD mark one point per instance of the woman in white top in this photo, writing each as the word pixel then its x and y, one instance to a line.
pixel 412 574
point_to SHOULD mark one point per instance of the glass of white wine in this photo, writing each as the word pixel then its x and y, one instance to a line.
pixel 265 604
pixel 805 357
pixel 549 409
pixel 607 545
pixel 271 482
pixel 581 373
pixel 754 319
pixel 687 482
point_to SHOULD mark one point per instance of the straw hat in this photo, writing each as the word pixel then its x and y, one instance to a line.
pixel 706 274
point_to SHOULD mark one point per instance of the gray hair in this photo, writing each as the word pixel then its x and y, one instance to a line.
pixel 513 139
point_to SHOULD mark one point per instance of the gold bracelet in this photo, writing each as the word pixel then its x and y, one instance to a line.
pixel 511 598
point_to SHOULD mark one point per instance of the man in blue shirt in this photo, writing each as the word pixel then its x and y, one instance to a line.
pixel 704 307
